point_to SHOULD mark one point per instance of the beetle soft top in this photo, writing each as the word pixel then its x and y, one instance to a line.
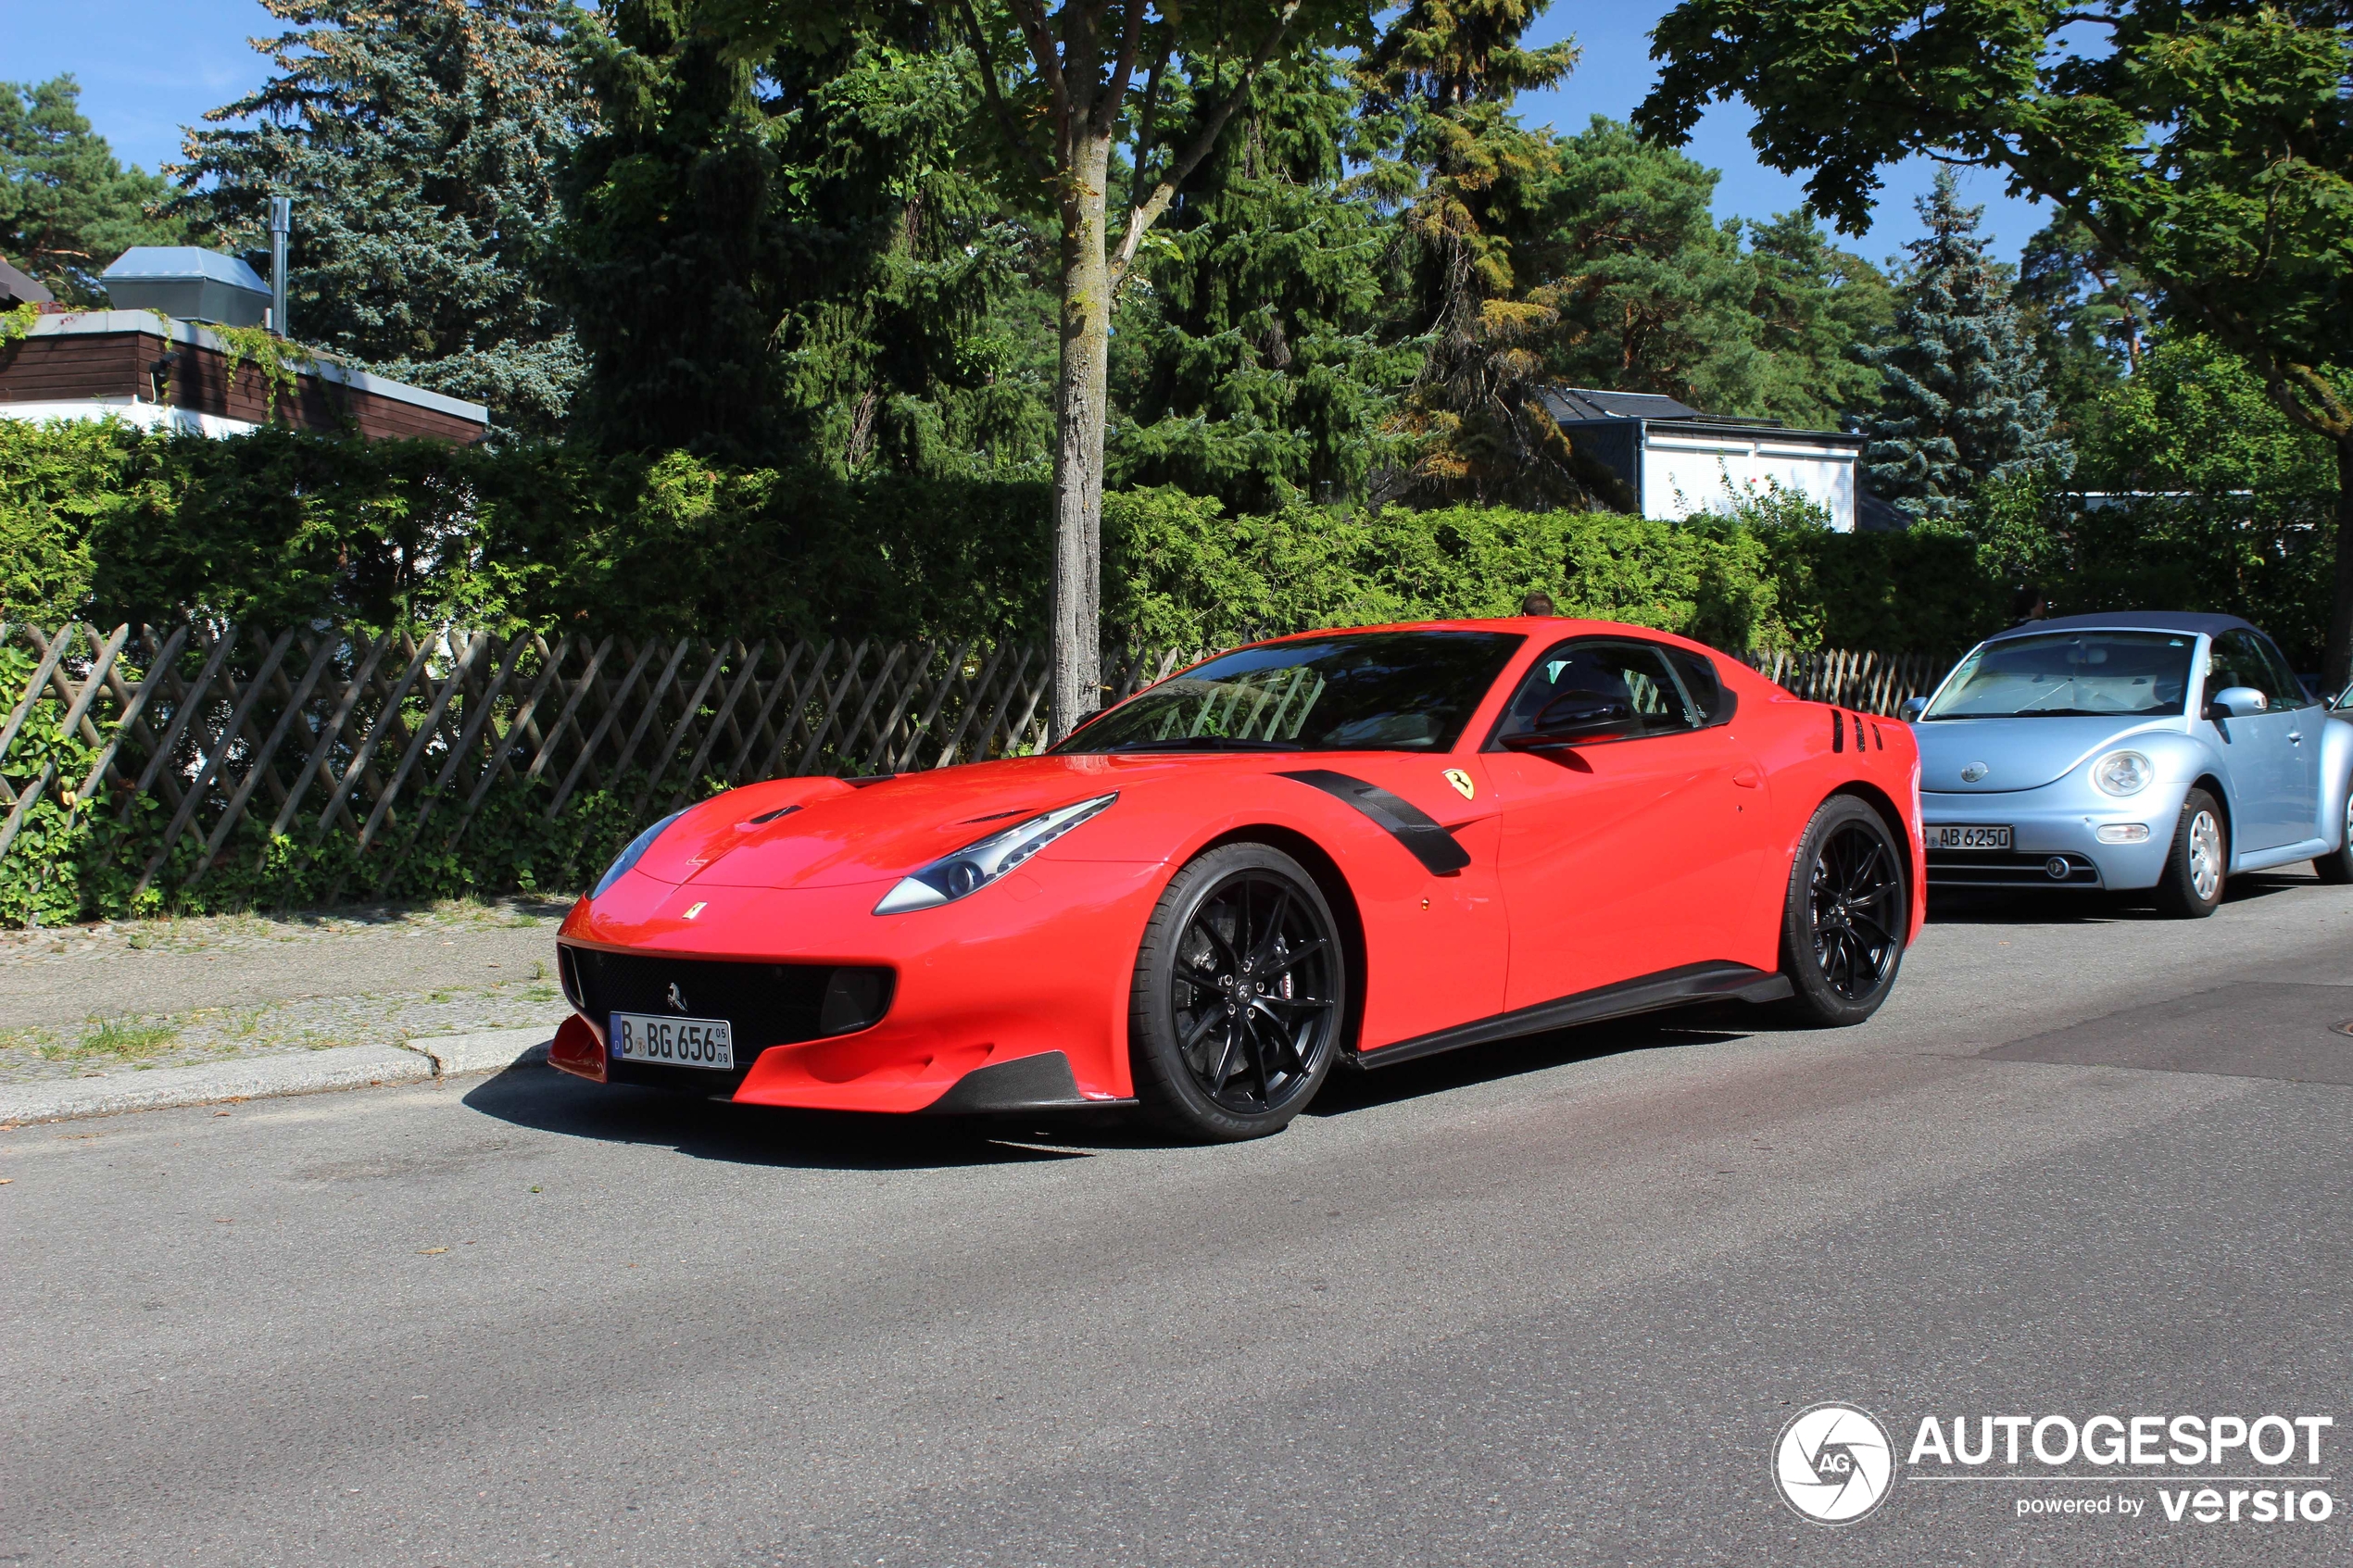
pixel 2131 621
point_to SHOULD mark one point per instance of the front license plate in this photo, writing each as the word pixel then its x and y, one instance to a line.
pixel 673 1042
pixel 1957 836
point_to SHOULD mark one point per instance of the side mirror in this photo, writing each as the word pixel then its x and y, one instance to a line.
pixel 1576 718
pixel 2236 702
pixel 1912 709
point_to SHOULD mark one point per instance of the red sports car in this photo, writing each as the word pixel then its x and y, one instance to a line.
pixel 1343 849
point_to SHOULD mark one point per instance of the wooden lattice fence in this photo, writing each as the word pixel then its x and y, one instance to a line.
pixel 387 745
pixel 1866 683
pixel 393 740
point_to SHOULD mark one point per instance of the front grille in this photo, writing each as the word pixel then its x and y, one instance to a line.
pixel 766 1004
pixel 1951 868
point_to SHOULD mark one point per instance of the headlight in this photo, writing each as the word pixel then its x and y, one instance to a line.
pixel 629 857
pixel 2123 772
pixel 977 865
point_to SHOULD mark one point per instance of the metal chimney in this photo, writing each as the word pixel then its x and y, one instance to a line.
pixel 280 224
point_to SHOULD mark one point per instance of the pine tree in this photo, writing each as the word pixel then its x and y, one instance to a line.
pixel 420 141
pixel 1474 184
pixel 1252 361
pixel 67 207
pixel 1963 402
pixel 796 255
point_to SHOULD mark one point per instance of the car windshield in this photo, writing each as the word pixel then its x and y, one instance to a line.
pixel 1374 691
pixel 2069 674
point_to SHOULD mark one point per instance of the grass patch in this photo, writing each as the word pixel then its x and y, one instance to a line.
pixel 124 1041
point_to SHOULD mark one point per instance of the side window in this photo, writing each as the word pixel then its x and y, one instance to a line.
pixel 1635 674
pixel 2241 658
pixel 2286 690
pixel 2224 659
pixel 1703 686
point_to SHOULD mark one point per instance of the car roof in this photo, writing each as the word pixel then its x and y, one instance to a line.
pixel 1554 626
pixel 2131 621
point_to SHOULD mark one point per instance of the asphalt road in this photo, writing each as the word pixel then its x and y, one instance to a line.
pixel 1543 1302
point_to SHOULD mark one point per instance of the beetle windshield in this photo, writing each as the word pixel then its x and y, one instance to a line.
pixel 2069 674
pixel 1373 691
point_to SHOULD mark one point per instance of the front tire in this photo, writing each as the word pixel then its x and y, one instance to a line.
pixel 2335 868
pixel 1845 917
pixel 2191 886
pixel 1240 996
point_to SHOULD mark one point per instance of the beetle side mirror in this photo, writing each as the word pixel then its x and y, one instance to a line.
pixel 2236 702
pixel 1577 719
pixel 1912 709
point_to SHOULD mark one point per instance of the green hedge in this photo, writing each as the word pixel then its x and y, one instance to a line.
pixel 277 527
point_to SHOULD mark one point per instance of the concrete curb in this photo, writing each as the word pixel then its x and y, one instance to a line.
pixel 345 1067
pixel 493 1050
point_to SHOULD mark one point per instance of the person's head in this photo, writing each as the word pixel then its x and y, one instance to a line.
pixel 1537 603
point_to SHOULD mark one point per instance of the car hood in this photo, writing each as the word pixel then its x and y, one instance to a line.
pixel 844 832
pixel 2016 753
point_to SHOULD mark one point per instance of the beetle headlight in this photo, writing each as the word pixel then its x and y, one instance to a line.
pixel 2123 772
pixel 977 865
pixel 630 857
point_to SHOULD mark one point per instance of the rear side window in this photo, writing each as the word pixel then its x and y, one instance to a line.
pixel 1704 687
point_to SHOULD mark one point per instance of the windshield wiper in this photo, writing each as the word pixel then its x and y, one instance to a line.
pixel 1204 742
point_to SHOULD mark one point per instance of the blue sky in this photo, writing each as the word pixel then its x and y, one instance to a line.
pixel 149 67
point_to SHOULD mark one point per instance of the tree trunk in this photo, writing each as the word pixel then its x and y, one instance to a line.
pixel 2337 666
pixel 1080 415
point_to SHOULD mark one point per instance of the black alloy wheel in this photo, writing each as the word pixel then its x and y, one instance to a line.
pixel 1846 917
pixel 1239 995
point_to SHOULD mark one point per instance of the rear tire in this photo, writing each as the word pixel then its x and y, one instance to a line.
pixel 2335 868
pixel 1846 917
pixel 2191 886
pixel 1240 996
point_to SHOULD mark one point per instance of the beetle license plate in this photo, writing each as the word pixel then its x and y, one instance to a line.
pixel 1960 836
pixel 673 1042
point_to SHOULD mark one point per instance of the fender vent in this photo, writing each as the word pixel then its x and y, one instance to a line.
pixel 1838 730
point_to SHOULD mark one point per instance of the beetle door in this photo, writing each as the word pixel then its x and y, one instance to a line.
pixel 2270 756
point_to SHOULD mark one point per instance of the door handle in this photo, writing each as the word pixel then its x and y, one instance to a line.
pixel 2296 735
pixel 1748 777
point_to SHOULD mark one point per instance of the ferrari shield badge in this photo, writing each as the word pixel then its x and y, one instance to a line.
pixel 1462 783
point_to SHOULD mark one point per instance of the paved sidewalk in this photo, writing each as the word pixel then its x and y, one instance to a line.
pixel 111 1002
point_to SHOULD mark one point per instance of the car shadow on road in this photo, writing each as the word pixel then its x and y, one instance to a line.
pixel 2006 905
pixel 538 1097
pixel 1351 1091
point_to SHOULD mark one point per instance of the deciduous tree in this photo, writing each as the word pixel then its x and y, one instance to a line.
pixel 2210 146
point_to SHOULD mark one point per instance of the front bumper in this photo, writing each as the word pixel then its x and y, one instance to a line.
pixel 1038 966
pixel 2060 822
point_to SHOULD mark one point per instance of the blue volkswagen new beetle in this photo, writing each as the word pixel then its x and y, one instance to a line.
pixel 2133 750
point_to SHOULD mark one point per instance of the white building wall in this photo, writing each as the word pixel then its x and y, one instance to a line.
pixel 130 410
pixel 1683 474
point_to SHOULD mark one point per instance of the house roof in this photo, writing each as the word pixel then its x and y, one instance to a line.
pixel 16 286
pixel 159 262
pixel 1577 404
